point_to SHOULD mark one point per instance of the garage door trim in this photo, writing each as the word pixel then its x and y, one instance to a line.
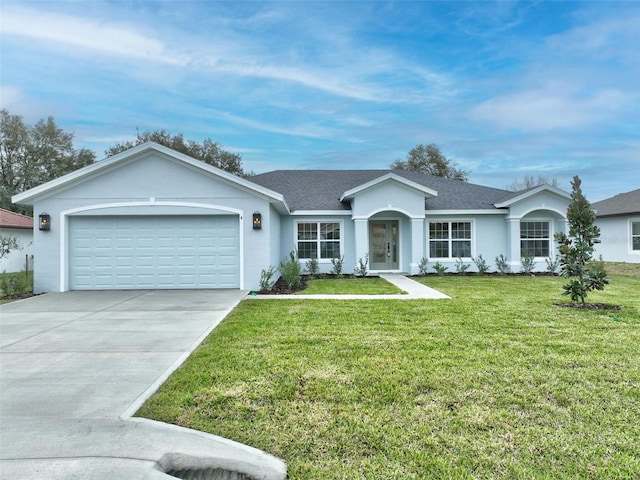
pixel 64 225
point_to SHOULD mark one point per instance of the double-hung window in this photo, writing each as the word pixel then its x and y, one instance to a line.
pixel 449 239
pixel 318 240
pixel 534 239
pixel 635 237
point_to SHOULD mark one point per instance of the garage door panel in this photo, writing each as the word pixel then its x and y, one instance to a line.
pixel 153 252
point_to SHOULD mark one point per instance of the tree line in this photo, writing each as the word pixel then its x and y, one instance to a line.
pixel 34 154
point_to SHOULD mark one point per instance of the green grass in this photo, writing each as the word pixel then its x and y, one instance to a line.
pixel 621 268
pixel 495 383
pixel 351 285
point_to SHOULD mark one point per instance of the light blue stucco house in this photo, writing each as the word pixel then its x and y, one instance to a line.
pixel 150 217
pixel 619 220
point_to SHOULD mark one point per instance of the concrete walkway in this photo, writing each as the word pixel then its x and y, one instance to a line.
pixel 415 291
pixel 75 366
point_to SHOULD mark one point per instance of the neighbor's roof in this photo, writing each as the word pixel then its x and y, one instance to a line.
pixel 322 189
pixel 621 204
pixel 10 219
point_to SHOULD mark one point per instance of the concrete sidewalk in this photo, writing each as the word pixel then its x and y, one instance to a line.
pixel 414 291
pixel 77 365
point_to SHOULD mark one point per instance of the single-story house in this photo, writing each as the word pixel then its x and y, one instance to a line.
pixel 19 227
pixel 619 220
pixel 150 217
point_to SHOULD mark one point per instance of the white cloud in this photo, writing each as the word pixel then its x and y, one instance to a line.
pixel 85 34
pixel 546 109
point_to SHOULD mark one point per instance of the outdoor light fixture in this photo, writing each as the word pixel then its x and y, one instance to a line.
pixel 44 221
pixel 257 221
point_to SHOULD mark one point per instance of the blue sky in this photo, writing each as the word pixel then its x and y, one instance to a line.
pixel 505 89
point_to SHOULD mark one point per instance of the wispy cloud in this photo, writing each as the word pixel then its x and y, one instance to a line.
pixel 548 109
pixel 85 34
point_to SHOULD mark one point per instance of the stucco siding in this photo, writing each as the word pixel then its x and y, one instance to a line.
pixel 15 261
pixel 388 196
pixel 615 237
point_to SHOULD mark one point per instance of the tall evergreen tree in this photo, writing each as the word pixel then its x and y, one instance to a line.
pixel 576 250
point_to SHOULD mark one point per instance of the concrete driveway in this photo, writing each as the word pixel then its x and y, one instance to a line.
pixel 75 366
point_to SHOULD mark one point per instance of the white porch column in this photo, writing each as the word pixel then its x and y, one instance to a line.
pixel 513 243
pixel 361 226
pixel 417 244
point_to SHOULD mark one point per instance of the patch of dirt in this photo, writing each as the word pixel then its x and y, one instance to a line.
pixel 589 306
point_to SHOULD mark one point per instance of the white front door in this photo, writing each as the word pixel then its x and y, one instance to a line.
pixel 383 245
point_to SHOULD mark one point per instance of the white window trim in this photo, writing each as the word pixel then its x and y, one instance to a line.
pixel 630 226
pixel 428 221
pixel 319 221
pixel 551 237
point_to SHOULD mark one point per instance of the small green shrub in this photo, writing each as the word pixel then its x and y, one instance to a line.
pixel 337 263
pixel 553 264
pixel 290 269
pixel 361 268
pixel 527 264
pixel 501 265
pixel 312 267
pixel 461 267
pixel 481 265
pixel 266 278
pixel 440 269
pixel 423 266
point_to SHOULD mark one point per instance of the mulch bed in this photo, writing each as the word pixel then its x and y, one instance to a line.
pixel 589 306
pixel 281 288
pixel 19 296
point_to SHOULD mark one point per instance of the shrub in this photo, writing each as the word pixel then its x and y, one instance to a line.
pixel 312 267
pixel 15 283
pixel 527 264
pixel 266 278
pixel 502 265
pixel 361 267
pixel 553 264
pixel 461 267
pixel 337 263
pixel 439 268
pixel 423 266
pixel 481 265
pixel 290 269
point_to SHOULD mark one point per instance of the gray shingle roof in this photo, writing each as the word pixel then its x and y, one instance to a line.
pixel 621 204
pixel 322 189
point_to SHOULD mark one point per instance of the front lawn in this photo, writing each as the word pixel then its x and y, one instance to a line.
pixel 495 383
pixel 350 285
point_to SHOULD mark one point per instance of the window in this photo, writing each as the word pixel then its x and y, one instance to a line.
pixel 635 236
pixel 318 240
pixel 534 239
pixel 449 239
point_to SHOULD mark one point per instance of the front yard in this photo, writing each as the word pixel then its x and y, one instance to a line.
pixel 495 383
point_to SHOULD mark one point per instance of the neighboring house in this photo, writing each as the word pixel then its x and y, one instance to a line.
pixel 21 228
pixel 154 218
pixel 619 221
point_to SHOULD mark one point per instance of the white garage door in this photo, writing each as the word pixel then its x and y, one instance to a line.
pixel 138 252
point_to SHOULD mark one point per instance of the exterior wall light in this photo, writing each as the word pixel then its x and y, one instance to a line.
pixel 44 221
pixel 257 221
